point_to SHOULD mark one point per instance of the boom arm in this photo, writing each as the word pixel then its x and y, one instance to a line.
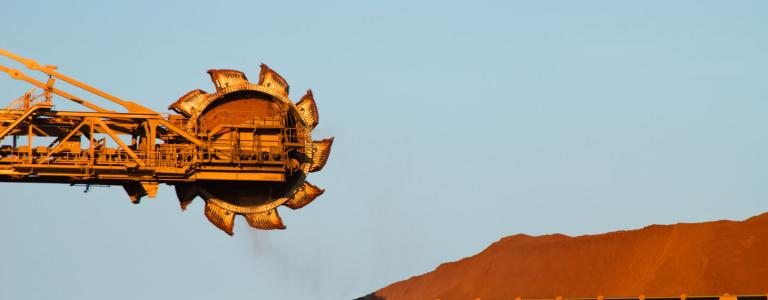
pixel 132 107
pixel 16 74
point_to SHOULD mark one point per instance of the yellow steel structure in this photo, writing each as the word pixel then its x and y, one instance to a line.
pixel 244 149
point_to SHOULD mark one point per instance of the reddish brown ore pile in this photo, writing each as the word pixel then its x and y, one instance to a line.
pixel 709 258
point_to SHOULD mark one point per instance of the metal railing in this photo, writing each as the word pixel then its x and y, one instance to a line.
pixel 28 100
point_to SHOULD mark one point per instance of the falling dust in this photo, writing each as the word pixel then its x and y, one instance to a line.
pixel 301 271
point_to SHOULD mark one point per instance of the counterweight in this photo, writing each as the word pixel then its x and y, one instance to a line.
pixel 245 149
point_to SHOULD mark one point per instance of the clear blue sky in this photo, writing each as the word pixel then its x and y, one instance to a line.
pixel 455 124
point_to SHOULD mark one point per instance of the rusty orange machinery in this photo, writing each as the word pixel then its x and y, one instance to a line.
pixel 245 149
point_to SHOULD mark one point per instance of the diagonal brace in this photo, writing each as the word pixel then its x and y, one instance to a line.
pixel 66 138
pixel 119 142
